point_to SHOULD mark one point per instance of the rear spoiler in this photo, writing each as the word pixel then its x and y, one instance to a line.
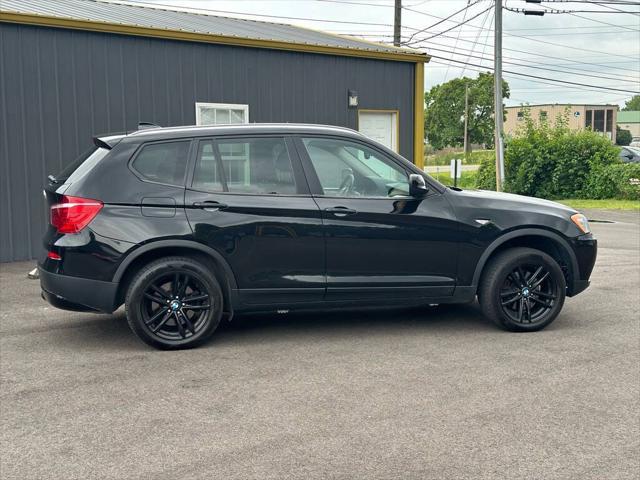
pixel 107 142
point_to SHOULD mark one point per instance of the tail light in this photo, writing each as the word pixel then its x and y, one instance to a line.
pixel 74 213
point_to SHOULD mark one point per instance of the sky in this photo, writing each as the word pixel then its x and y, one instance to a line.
pixel 595 49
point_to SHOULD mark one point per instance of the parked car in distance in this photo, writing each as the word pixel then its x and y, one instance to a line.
pixel 630 154
pixel 186 226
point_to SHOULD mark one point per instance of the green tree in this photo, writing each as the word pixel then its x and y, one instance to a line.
pixel 444 111
pixel 632 104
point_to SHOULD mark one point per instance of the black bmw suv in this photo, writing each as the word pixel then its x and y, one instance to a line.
pixel 186 226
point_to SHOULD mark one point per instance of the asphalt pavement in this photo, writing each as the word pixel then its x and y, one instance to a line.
pixel 428 393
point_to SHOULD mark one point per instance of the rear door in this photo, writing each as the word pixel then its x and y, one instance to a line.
pixel 248 199
pixel 380 241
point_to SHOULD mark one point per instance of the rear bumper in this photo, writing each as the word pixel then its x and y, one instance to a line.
pixel 78 294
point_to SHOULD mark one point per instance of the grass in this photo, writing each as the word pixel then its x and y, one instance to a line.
pixel 475 158
pixel 606 204
pixel 468 179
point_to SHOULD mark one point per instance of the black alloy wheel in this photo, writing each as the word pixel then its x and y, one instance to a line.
pixel 174 302
pixel 527 293
pixel 522 289
pixel 176 305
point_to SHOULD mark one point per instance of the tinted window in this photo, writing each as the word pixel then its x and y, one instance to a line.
pixel 163 162
pixel 349 169
pixel 255 165
pixel 82 165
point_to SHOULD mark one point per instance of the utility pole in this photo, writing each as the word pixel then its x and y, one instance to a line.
pixel 397 23
pixel 498 110
pixel 466 121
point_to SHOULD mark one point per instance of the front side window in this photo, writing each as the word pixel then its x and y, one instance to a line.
pixel 350 169
pixel 163 162
pixel 247 165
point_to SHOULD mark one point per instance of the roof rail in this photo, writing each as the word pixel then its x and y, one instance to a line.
pixel 147 125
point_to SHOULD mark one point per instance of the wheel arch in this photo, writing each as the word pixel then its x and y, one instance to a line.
pixel 164 248
pixel 544 240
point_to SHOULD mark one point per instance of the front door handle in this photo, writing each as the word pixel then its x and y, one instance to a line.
pixel 210 205
pixel 341 211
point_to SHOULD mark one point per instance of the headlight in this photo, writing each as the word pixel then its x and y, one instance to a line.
pixel 581 222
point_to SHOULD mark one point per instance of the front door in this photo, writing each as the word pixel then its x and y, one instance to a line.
pixel 248 200
pixel 380 241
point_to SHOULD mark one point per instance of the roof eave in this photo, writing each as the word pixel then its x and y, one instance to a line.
pixel 118 28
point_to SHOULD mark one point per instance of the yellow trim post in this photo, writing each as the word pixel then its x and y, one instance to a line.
pixel 401 55
pixel 418 116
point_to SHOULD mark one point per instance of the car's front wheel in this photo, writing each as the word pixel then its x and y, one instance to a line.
pixel 522 290
pixel 173 303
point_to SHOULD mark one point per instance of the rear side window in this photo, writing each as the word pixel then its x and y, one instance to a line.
pixel 245 165
pixel 163 162
pixel 81 165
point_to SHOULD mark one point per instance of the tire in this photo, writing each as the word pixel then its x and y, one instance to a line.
pixel 522 290
pixel 168 323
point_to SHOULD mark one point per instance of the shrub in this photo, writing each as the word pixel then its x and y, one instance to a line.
pixel 555 162
pixel 623 137
pixel 615 181
pixel 486 178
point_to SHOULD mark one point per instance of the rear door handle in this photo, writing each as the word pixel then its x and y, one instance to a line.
pixel 341 211
pixel 210 205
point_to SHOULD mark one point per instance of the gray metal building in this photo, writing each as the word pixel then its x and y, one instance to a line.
pixel 70 69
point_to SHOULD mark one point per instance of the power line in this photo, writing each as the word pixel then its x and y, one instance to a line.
pixel 545 64
pixel 443 64
pixel 279 17
pixel 553 11
pixel 473 47
pixel 465 9
pixel 455 26
pixel 535 67
pixel 464 17
pixel 608 54
pixel 528 75
pixel 542 55
pixel 530 35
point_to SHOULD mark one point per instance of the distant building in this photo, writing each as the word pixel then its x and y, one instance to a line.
pixel 599 118
pixel 630 121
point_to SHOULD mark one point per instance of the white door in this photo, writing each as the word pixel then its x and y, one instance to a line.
pixel 380 126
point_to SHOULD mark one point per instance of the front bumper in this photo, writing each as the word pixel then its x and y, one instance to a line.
pixel 585 248
pixel 78 294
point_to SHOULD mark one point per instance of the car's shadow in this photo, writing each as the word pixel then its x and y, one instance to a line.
pixel 112 332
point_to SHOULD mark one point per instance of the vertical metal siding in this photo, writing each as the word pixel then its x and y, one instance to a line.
pixel 60 87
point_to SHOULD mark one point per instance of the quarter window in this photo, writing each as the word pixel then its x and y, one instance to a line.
pixel 252 166
pixel 163 162
pixel 349 169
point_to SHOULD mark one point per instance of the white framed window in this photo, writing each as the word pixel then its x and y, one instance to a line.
pixel 221 113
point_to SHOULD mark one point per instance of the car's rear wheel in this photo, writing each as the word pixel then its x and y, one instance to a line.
pixel 522 290
pixel 174 303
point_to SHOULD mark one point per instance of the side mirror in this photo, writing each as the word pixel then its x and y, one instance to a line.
pixel 417 186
